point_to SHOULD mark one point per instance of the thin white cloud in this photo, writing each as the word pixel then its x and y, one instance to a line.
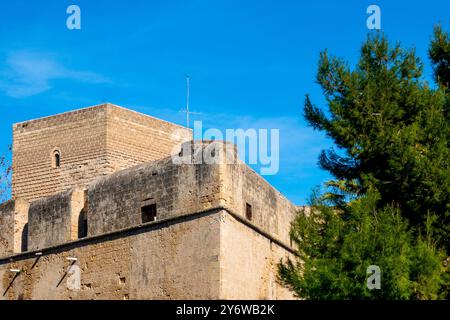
pixel 300 145
pixel 27 73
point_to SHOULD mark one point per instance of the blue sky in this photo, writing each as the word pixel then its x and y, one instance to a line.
pixel 251 62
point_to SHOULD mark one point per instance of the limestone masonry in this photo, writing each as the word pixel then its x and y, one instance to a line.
pixel 101 211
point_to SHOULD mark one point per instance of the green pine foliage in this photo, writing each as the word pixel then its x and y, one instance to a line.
pixel 389 204
pixel 390 127
pixel 440 56
pixel 338 245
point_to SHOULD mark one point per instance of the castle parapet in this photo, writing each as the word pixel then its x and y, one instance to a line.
pixel 13 227
pixel 204 176
pixel 57 219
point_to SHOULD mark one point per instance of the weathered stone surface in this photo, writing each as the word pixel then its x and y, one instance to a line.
pixel 249 263
pixel 172 260
pixel 205 256
pixel 115 201
pixel 13 227
pixel 54 220
pixel 92 142
pixel 115 163
pixel 6 228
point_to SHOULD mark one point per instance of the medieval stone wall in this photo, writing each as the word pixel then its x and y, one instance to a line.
pixel 92 142
pixel 249 263
pixel 218 232
pixel 115 202
pixel 177 259
pixel 134 138
pixel 209 255
pixel 79 136
pixel 13 227
pixel 271 211
pixel 55 220
pixel 7 228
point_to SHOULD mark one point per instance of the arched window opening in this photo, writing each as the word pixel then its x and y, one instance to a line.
pixel 56 158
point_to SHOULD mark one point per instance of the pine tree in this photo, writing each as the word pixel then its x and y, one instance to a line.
pixel 337 245
pixel 389 203
pixel 392 131
pixel 440 56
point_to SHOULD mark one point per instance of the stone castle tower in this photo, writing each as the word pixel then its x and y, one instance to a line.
pixel 57 153
pixel 101 211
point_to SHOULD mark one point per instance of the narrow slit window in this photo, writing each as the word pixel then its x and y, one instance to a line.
pixel 248 211
pixel 57 160
pixel 24 244
pixel 82 225
pixel 148 213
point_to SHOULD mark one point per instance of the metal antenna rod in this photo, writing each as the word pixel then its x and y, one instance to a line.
pixel 188 96
pixel 188 84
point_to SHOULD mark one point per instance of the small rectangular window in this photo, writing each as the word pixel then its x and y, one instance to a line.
pixel 148 213
pixel 248 211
